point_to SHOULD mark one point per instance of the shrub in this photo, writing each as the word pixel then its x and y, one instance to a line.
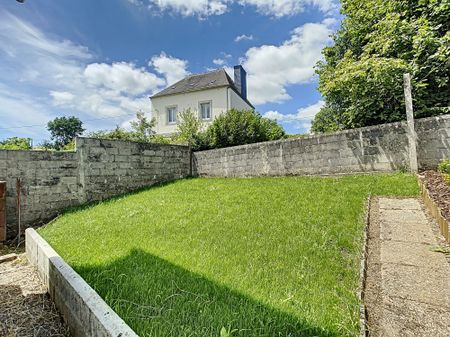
pixel 444 170
pixel 240 127
pixel 16 143
pixel 444 166
pixel 189 128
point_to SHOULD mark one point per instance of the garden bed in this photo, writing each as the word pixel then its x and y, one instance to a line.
pixel 229 257
pixel 438 190
pixel 436 195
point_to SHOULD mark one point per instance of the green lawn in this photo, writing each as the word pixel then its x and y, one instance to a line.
pixel 260 257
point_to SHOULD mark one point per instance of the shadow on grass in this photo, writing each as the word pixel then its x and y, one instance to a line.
pixel 157 298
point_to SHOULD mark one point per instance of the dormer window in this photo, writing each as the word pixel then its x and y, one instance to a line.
pixel 205 110
pixel 171 115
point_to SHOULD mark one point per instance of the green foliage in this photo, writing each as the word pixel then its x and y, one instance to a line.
pixel 232 128
pixel 326 120
pixel 118 133
pixel 361 78
pixel 64 129
pixel 189 128
pixel 141 131
pixel 237 127
pixel 143 127
pixel 16 143
pixel 444 166
pixel 45 145
pixel 159 139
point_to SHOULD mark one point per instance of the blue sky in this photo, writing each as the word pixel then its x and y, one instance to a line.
pixel 101 60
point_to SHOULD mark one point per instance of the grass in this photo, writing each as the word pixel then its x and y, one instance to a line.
pixel 258 257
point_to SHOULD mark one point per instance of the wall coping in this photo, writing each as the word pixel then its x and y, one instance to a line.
pixel 129 142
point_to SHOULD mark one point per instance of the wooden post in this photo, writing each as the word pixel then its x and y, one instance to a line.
pixel 2 211
pixel 412 136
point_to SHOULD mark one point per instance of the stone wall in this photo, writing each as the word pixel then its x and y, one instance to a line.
pixel 381 148
pixel 99 169
pixel 433 141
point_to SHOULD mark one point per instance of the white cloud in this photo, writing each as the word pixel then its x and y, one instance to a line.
pixel 121 77
pixel 191 7
pixel 280 8
pixel 302 119
pixel 62 97
pixel 243 37
pixel 203 8
pixel 171 68
pixel 55 77
pixel 272 68
pixel 219 62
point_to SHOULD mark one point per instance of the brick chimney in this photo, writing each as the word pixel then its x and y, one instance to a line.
pixel 240 80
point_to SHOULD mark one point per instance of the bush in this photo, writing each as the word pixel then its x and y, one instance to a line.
pixel 189 128
pixel 237 128
pixel 444 166
pixel 16 143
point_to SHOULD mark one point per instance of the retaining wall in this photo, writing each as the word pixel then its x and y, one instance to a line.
pixel 99 169
pixel 83 310
pixel 381 148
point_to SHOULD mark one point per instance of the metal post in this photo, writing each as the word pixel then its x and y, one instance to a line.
pixel 412 136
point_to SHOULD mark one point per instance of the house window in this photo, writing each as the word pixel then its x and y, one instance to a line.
pixel 172 115
pixel 205 110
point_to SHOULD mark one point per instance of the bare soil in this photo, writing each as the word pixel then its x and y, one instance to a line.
pixel 439 190
pixel 25 307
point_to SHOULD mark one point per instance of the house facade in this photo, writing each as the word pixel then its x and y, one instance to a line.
pixel 207 95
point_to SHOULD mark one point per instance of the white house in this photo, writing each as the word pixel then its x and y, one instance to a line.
pixel 207 95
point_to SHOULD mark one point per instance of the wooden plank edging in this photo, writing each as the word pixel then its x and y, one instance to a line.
pixel 435 210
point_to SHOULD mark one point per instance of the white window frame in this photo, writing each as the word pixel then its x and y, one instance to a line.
pixel 168 110
pixel 201 112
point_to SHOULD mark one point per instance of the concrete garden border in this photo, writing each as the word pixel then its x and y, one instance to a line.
pixel 84 311
pixel 435 211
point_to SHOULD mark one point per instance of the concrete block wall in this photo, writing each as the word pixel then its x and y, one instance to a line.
pixel 49 183
pixel 433 141
pixel 110 167
pixel 381 148
pixel 99 169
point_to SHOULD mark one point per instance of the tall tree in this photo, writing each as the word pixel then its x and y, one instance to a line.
pixel 361 77
pixel 64 129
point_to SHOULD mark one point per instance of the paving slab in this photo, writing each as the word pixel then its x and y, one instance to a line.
pixel 407 319
pixel 411 253
pixel 407 231
pixel 408 282
pixel 402 204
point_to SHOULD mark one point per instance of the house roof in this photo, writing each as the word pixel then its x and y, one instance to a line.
pixel 213 79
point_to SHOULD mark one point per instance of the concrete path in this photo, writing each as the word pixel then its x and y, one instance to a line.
pixel 408 281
